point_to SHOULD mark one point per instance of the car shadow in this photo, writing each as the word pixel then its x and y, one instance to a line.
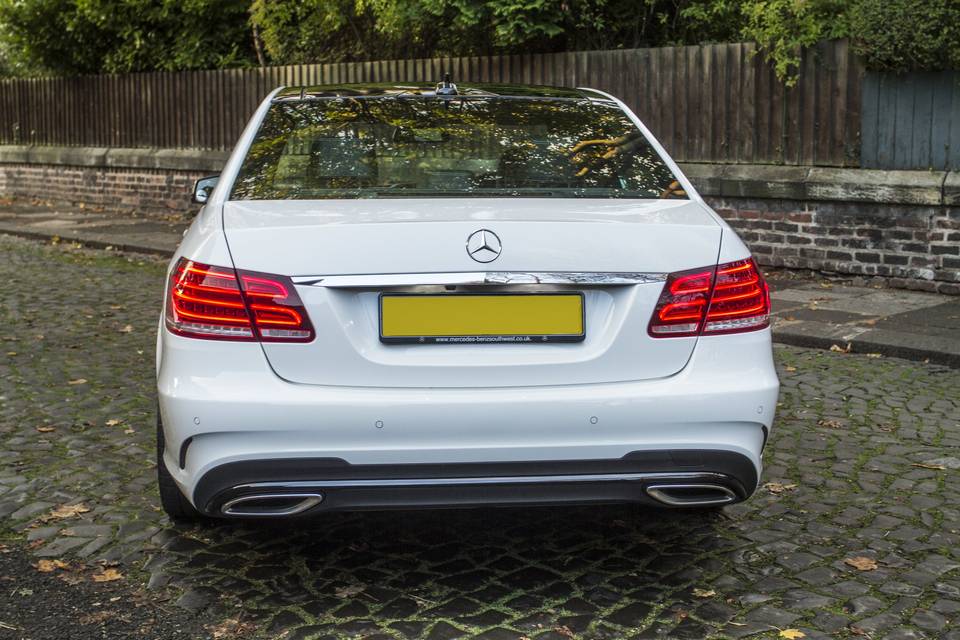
pixel 572 570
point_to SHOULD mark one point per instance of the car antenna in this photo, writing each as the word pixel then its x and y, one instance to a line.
pixel 446 88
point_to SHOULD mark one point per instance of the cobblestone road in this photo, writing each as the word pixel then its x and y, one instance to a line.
pixel 856 534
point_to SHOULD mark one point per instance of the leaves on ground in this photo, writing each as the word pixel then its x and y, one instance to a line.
pixel 830 423
pixel 231 628
pixel 49 566
pixel 777 488
pixel 789 369
pixel 77 381
pixel 66 511
pixel 46 429
pixel 96 618
pixel 861 563
pixel 838 349
pixel 127 329
pixel 704 593
pixel 107 574
pixel 112 422
pixel 792 634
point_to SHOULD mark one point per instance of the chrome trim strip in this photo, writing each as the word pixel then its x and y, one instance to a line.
pixel 307 501
pixel 584 278
pixel 660 493
pixel 321 485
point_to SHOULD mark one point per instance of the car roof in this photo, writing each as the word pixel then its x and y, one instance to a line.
pixel 470 90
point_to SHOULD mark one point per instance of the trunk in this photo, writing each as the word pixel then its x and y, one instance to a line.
pixel 312 239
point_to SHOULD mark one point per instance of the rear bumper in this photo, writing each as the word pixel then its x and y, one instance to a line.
pixel 230 421
pixel 310 485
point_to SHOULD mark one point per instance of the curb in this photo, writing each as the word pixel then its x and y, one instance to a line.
pixel 856 345
pixel 88 243
pixel 866 346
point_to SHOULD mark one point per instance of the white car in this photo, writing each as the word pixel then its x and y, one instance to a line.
pixel 419 296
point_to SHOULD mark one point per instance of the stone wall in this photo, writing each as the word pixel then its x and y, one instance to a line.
pixel 910 246
pixel 146 181
pixel 901 227
pixel 150 192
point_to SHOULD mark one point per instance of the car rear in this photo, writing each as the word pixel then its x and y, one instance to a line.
pixel 400 300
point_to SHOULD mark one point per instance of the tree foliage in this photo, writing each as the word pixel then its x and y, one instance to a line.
pixel 88 36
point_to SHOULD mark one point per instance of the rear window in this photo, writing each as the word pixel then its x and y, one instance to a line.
pixel 450 147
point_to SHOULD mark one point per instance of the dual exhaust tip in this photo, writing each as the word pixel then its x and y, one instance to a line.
pixel 275 505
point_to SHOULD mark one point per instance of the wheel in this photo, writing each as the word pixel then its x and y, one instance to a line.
pixel 173 502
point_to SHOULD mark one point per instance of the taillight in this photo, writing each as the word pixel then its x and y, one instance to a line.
pixel 226 304
pixel 728 298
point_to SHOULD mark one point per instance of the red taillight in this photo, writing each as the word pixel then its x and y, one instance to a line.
pixel 729 298
pixel 221 303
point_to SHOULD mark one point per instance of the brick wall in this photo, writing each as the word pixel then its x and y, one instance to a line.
pixel 908 246
pixel 147 192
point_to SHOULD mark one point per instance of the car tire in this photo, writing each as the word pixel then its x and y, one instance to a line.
pixel 177 507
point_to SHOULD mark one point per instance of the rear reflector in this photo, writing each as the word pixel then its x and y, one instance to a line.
pixel 220 303
pixel 728 298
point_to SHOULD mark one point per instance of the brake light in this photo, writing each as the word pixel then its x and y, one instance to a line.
pixel 211 302
pixel 728 298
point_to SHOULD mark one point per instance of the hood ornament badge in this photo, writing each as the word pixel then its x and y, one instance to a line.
pixel 484 246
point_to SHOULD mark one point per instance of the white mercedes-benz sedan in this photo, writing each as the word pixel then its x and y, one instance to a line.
pixel 432 296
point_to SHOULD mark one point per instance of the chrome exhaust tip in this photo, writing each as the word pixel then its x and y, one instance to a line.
pixel 691 495
pixel 270 505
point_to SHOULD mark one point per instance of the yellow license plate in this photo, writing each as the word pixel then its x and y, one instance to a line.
pixel 478 318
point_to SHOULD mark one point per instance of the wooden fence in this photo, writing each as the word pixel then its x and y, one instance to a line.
pixel 911 121
pixel 713 103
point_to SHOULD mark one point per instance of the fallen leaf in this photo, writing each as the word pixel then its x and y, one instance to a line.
pixel 838 349
pixel 71 578
pixel 49 566
pixel 231 628
pixel 96 618
pixel 861 563
pixel 927 465
pixel 874 355
pixel 704 593
pixel 107 575
pixel 564 631
pixel 46 429
pixel 11 353
pixel 349 591
pixel 790 369
pixel 112 422
pixel 78 381
pixel 777 488
pixel 127 329
pixel 792 634
pixel 826 285
pixel 65 511
pixel 830 423
pixel 129 431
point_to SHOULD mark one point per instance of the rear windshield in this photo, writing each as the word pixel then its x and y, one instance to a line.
pixel 443 147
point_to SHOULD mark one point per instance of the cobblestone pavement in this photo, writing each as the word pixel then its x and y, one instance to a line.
pixel 856 533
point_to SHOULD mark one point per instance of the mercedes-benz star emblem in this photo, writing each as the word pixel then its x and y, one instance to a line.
pixel 483 245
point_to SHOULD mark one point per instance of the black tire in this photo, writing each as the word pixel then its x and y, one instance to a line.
pixel 177 507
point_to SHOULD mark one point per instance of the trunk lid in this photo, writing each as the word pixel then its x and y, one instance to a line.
pixel 310 239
